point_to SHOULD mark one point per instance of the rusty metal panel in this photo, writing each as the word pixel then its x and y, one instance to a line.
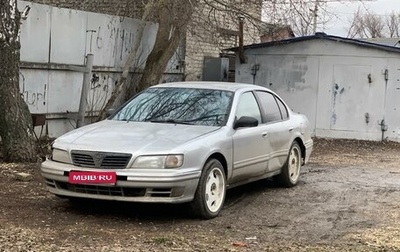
pixel 68 36
pixel 38 120
pixel 35 33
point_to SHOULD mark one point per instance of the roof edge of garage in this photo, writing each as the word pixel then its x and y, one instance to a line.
pixel 320 36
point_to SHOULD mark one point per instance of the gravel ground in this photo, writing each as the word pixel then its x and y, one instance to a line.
pixel 348 199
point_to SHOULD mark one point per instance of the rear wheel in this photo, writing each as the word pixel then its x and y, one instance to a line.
pixel 210 194
pixel 291 170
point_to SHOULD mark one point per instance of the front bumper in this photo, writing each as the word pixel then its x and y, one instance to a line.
pixel 134 185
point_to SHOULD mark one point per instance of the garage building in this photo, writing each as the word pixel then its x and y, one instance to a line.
pixel 348 88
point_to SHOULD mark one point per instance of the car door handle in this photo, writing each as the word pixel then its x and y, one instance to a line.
pixel 265 134
pixel 291 129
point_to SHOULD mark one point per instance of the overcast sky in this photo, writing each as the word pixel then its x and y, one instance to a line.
pixel 344 11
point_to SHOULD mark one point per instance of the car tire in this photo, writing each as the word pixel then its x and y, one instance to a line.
pixel 291 170
pixel 211 191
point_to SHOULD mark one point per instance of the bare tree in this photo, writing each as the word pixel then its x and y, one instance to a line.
pixel 303 16
pixel 18 144
pixel 366 24
pixel 215 22
pixel 172 18
pixel 118 94
pixel 393 24
pixel 299 15
pixel 356 28
pixel 374 25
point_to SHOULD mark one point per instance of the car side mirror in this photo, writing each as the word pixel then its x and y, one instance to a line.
pixel 245 121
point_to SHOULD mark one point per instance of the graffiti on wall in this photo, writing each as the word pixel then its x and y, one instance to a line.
pixel 36 99
pixel 101 85
pixel 49 86
pixel 111 39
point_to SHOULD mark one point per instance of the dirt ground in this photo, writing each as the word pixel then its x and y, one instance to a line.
pixel 348 199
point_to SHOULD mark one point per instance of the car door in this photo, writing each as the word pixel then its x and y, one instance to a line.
pixel 250 145
pixel 278 128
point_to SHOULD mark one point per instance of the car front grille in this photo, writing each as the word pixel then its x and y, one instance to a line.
pixel 83 160
pixel 105 160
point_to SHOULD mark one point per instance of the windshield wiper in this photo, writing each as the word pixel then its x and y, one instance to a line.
pixel 170 121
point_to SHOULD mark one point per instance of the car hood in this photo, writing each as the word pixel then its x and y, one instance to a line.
pixel 131 137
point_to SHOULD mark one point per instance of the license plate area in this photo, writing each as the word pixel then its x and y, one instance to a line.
pixel 92 178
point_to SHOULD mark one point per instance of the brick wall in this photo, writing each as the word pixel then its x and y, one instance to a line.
pixel 216 28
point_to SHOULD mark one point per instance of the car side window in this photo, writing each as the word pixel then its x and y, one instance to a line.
pixel 270 107
pixel 282 107
pixel 248 106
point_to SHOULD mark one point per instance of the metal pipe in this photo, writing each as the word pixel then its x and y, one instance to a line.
pixel 85 90
pixel 242 58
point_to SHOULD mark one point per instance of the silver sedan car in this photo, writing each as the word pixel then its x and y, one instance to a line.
pixel 182 142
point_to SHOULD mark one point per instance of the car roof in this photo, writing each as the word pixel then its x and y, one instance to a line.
pixel 228 86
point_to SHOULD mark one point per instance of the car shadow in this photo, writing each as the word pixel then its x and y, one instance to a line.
pixel 157 211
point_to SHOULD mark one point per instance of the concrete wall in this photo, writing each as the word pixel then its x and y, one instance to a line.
pixel 340 87
pixel 54 39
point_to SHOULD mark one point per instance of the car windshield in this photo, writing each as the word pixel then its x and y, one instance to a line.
pixel 178 105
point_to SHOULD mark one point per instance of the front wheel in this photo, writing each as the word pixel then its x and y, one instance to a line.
pixel 291 170
pixel 210 194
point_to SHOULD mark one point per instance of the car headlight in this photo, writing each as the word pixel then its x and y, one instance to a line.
pixel 60 156
pixel 164 161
